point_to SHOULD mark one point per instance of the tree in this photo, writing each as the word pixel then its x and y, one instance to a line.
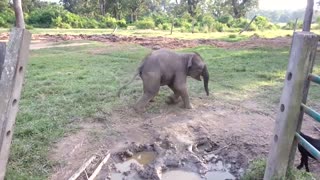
pixel 217 7
pixel 239 8
pixel 19 14
pixel 3 4
pixel 103 7
pixel 135 6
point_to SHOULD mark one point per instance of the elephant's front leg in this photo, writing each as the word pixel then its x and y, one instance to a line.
pixel 174 98
pixel 182 89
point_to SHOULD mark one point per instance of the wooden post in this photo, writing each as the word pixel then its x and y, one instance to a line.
pixel 301 59
pixel 2 55
pixel 14 67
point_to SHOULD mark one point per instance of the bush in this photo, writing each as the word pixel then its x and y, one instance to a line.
pixel 44 17
pixel 205 29
pixel 239 23
pixel 257 168
pixel 220 27
pixel 226 19
pixel 232 36
pixel 122 23
pixel 208 22
pixel 3 23
pixel 166 26
pixel 253 27
pixel 160 18
pixel 145 24
pixel 187 26
pixel 7 18
pixel 109 22
pixel 290 25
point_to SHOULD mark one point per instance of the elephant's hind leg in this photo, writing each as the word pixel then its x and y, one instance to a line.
pixel 151 86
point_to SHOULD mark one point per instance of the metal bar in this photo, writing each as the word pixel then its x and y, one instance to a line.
pixel 314 78
pixel 311 112
pixel 312 150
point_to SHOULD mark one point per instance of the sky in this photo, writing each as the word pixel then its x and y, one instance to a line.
pixel 282 4
pixel 270 4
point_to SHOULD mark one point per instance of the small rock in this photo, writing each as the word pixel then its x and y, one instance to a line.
pixel 126 173
pixel 209 157
pixel 172 162
pixel 128 153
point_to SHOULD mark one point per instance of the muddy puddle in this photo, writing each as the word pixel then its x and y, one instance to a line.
pixel 167 161
pixel 123 169
pixel 216 171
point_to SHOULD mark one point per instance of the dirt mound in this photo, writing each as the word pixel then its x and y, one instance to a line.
pixel 164 42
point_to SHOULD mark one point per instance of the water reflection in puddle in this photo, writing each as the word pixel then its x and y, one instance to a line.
pixel 180 174
pixel 141 158
pixel 217 171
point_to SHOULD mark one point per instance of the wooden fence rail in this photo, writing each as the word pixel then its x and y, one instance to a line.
pixel 12 75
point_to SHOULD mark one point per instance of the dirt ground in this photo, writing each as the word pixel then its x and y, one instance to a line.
pixel 162 42
pixel 241 130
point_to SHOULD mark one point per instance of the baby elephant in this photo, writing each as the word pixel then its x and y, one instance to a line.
pixel 304 153
pixel 165 67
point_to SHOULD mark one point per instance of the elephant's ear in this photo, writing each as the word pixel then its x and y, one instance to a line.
pixel 190 60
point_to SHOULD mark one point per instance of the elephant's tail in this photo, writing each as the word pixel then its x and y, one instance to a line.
pixel 133 78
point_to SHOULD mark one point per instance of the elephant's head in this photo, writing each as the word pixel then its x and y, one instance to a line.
pixel 197 68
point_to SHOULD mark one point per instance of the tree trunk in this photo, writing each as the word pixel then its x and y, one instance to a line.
pixel 235 9
pixel 19 14
pixel 172 24
pixel 102 8
pixel 308 16
pixel 135 16
pixel 193 23
pixel 131 17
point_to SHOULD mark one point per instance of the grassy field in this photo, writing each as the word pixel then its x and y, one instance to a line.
pixel 176 34
pixel 64 84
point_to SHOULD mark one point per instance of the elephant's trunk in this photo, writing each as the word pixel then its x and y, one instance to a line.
pixel 205 76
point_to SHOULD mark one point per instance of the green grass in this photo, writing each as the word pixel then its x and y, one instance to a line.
pixel 258 166
pixel 63 84
pixel 225 36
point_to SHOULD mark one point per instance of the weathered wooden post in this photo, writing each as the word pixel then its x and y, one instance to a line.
pixel 14 67
pixel 2 55
pixel 302 55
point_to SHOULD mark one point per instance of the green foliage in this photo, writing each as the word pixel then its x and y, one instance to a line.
pixel 166 26
pixel 108 22
pixel 7 18
pixel 226 19
pixel 290 25
pixel 160 18
pixel 122 23
pixel 261 22
pixel 257 168
pixel 145 24
pixel 44 17
pixel 220 27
